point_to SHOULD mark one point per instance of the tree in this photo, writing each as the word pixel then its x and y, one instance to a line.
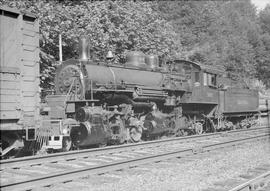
pixel 110 25
pixel 216 33
pixel 263 48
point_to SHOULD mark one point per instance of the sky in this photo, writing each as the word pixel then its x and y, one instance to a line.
pixel 260 4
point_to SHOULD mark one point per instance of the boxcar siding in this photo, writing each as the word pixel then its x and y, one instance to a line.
pixel 9 96
pixel 30 72
pixel 9 39
pixel 19 70
pixel 10 106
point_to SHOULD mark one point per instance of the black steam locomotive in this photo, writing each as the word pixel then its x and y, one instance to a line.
pixel 100 103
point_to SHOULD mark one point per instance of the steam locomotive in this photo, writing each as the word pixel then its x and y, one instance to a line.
pixel 101 103
pixel 97 103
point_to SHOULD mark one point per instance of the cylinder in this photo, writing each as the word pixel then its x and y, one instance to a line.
pixel 84 48
pixel 90 132
pixel 82 114
pixel 80 133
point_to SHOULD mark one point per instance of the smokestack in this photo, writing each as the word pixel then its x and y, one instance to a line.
pixel 84 48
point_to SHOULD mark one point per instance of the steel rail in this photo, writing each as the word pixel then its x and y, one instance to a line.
pixel 70 174
pixel 35 160
pixel 256 183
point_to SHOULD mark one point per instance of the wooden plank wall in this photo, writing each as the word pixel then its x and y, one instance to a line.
pixel 19 70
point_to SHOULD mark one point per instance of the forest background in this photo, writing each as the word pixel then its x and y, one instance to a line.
pixel 228 34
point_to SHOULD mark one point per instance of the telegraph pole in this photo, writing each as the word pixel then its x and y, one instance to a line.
pixel 268 112
pixel 60 49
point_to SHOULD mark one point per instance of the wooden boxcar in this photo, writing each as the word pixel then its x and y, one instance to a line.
pixel 19 76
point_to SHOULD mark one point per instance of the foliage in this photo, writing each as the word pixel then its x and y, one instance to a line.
pixel 263 49
pixel 256 84
pixel 216 33
pixel 222 33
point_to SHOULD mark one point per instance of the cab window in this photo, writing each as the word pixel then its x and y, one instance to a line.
pixel 197 76
pixel 209 79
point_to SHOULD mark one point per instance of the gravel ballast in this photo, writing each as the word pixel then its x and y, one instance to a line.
pixel 197 172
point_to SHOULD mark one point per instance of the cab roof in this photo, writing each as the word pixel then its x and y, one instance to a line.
pixel 204 67
pixel 5 8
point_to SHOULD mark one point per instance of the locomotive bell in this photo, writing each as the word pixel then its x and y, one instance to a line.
pixel 109 55
pixel 84 48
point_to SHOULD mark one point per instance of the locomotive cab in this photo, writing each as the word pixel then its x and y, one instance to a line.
pixel 202 82
pixel 201 101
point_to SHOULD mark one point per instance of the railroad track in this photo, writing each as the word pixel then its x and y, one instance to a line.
pixel 259 183
pixel 29 172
